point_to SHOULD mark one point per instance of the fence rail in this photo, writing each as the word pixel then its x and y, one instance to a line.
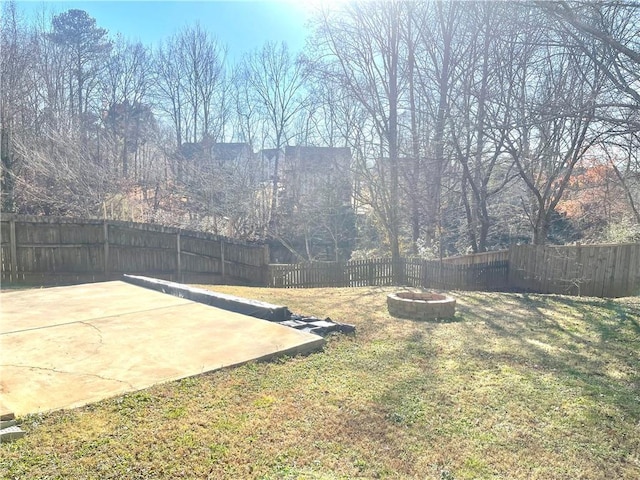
pixel 52 250
pixel 357 273
pixel 593 270
pixel 491 276
pixel 588 270
pixel 380 272
pixel 478 258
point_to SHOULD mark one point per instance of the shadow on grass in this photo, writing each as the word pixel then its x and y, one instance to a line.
pixel 591 343
pixel 542 368
pixel 543 353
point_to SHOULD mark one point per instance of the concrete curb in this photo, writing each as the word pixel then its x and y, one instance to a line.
pixel 252 308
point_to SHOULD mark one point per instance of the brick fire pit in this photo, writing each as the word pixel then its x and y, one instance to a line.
pixel 421 305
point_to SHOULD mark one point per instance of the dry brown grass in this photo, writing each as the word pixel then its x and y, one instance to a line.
pixel 517 387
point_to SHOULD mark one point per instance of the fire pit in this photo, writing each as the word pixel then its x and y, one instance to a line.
pixel 421 305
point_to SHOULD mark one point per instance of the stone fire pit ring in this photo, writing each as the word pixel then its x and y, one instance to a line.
pixel 421 305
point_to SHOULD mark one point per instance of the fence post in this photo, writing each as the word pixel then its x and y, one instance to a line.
pixel 105 229
pixel 425 274
pixel 507 275
pixel 222 269
pixel 266 258
pixel 14 250
pixel 403 271
pixel 179 257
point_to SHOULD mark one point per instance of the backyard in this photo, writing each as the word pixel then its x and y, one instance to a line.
pixel 516 386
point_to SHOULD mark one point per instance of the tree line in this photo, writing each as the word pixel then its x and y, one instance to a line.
pixel 471 124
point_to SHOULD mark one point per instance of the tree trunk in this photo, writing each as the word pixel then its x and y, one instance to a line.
pixel 273 211
pixel 394 224
pixel 541 227
pixel 7 185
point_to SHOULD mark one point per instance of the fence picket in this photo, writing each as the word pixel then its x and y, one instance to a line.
pixel 56 250
pixel 62 250
pixel 604 270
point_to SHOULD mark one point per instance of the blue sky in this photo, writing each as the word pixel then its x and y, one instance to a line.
pixel 242 25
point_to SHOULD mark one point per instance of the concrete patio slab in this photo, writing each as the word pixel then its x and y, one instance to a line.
pixel 65 347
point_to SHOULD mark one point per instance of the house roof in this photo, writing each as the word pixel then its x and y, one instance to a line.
pixel 307 151
pixel 230 151
pixel 314 158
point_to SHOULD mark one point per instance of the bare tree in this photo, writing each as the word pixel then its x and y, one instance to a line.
pixel 622 156
pixel 276 81
pixel 245 116
pixel 444 51
pixel 476 115
pixel 59 178
pixel 612 26
pixel 126 87
pixel 203 62
pixel 608 34
pixel 190 84
pixel 169 88
pixel 551 129
pixel 87 48
pixel 50 92
pixel 14 82
pixel 361 51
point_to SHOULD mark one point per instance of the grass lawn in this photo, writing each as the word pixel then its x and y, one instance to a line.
pixel 516 387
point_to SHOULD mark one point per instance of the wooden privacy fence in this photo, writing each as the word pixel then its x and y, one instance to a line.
pixel 490 276
pixel 478 258
pixel 52 250
pixel 587 270
pixel 357 273
pixel 380 272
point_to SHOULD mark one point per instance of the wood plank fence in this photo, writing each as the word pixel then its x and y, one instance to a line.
pixel 53 250
pixel 379 272
pixel 588 270
pixel 356 273
pixel 478 258
pixel 56 251
pixel 490 276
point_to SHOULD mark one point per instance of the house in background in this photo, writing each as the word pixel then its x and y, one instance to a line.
pixel 311 217
pixel 267 163
pixel 314 207
pixel 231 154
pixel 208 156
pixel 311 174
pixel 216 182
